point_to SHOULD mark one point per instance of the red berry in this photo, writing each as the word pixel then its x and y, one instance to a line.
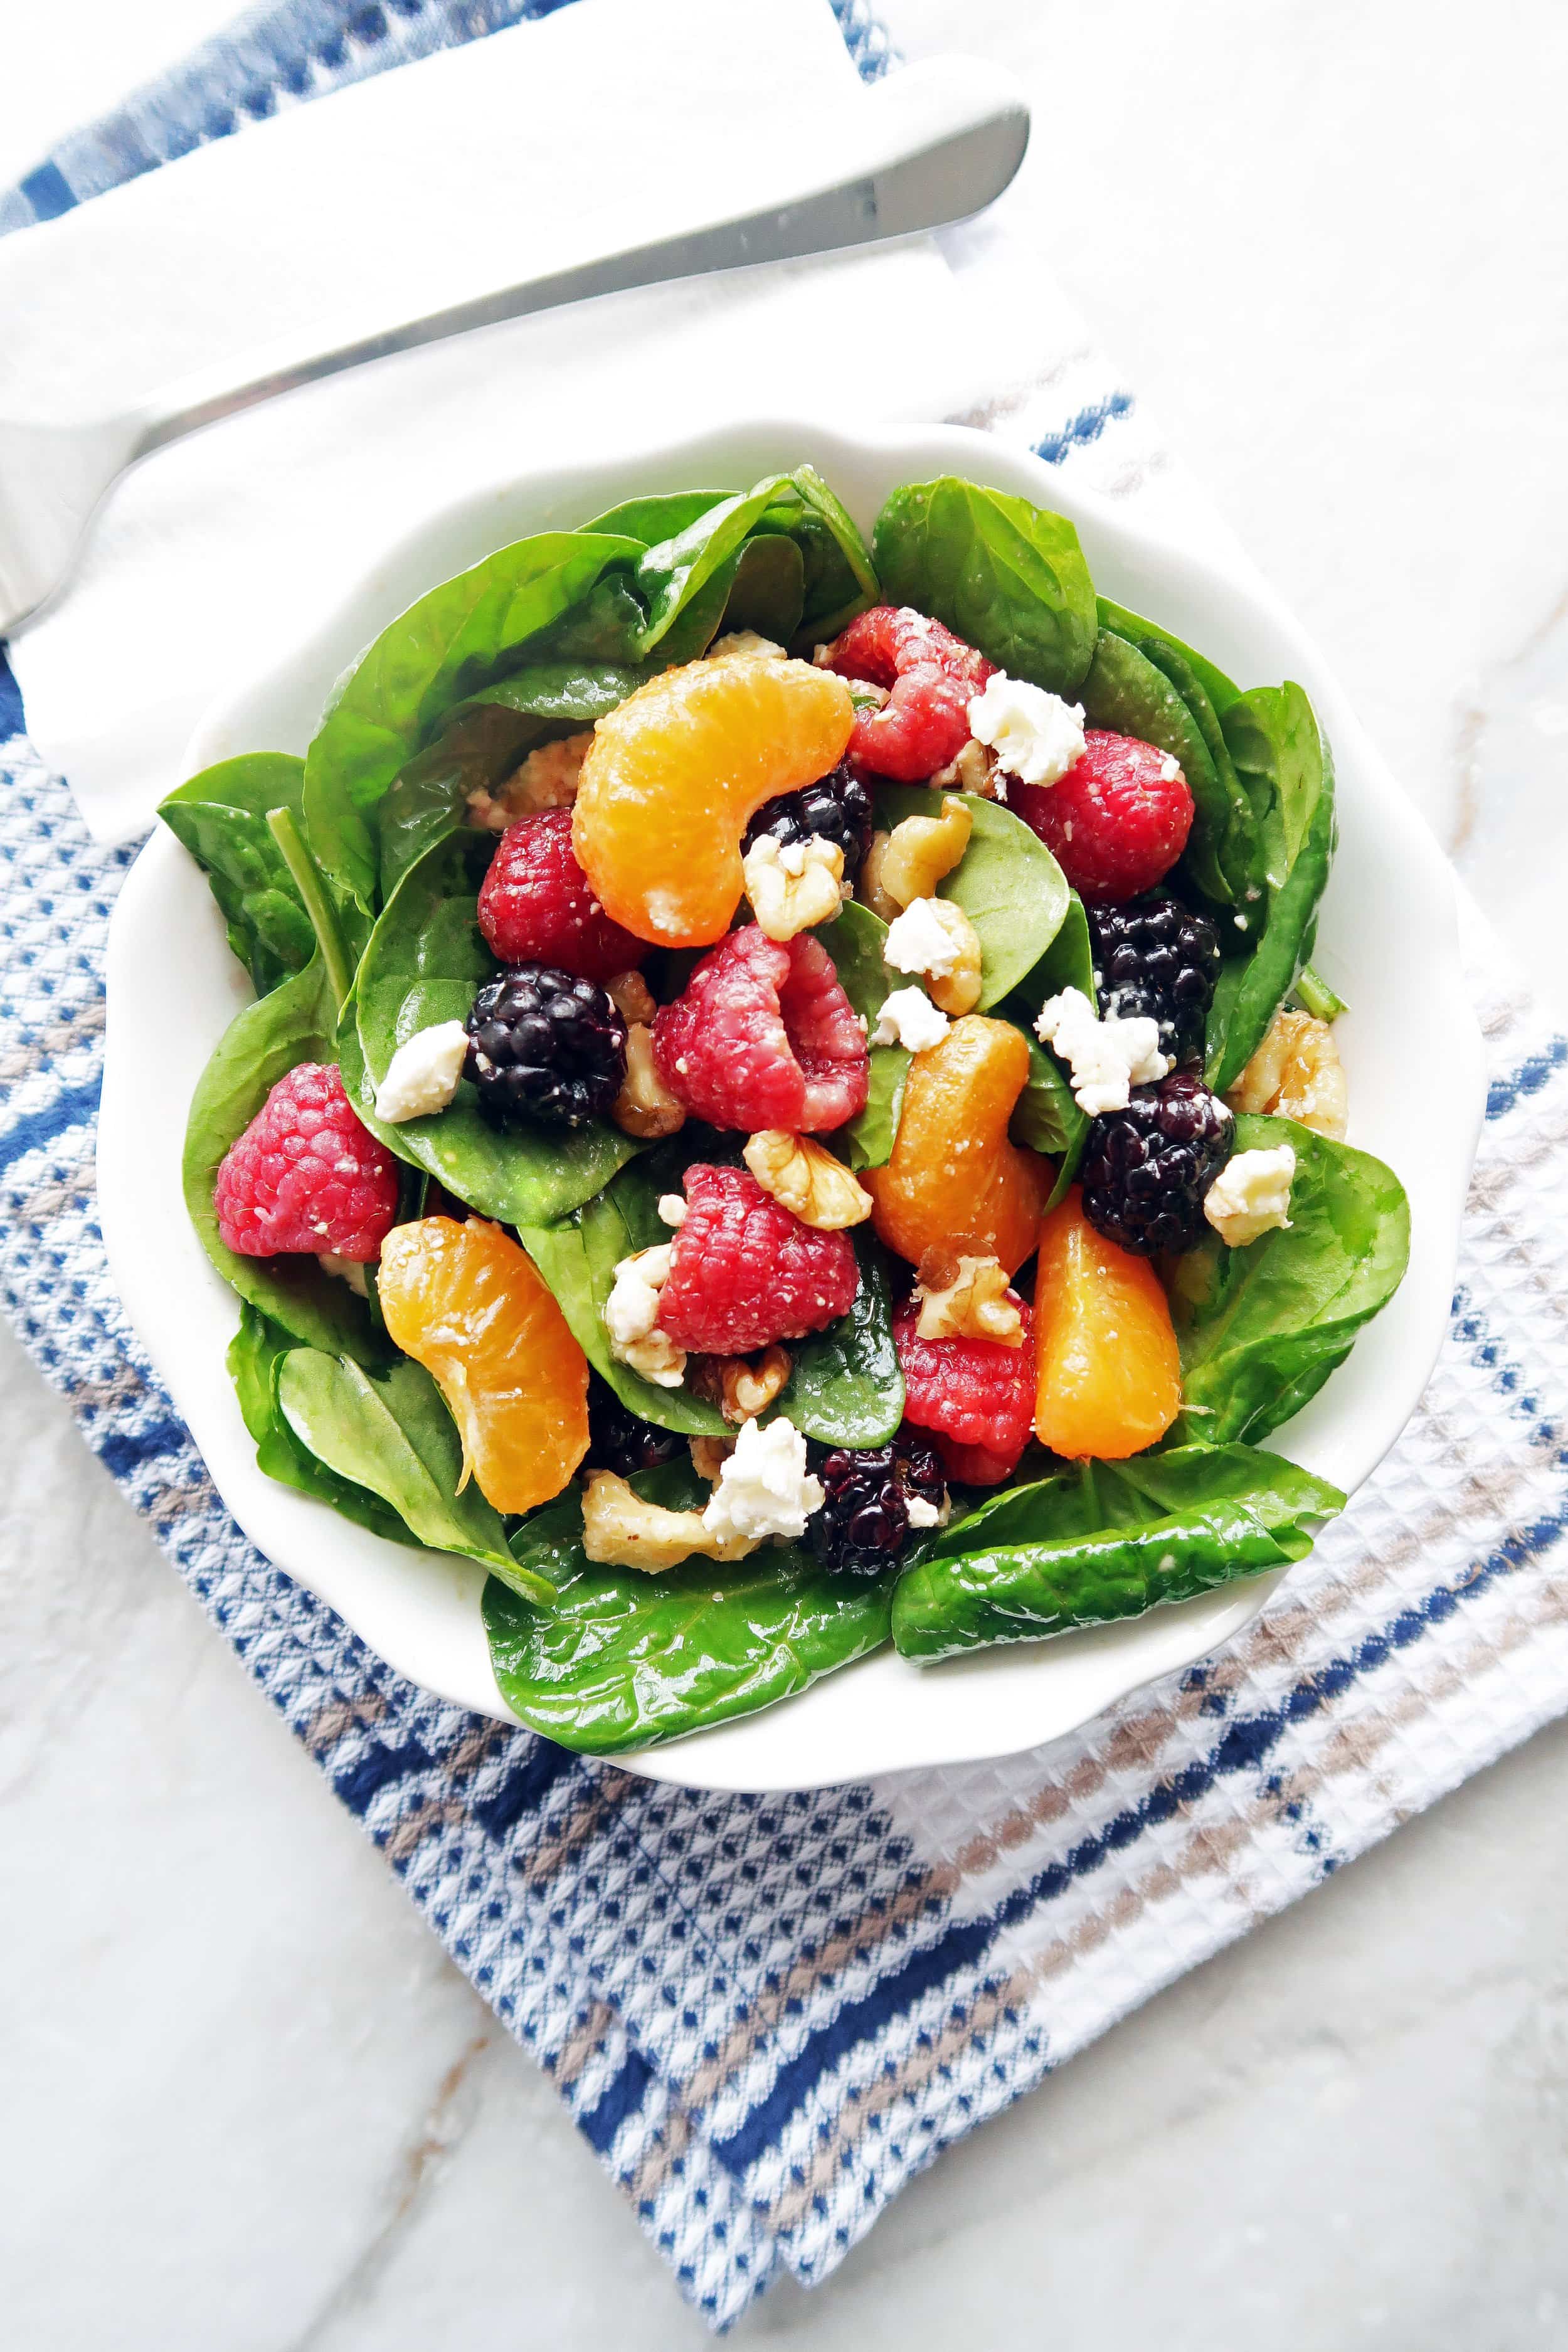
pixel 537 906
pixel 977 1395
pixel 1117 822
pixel 763 1036
pixel 306 1175
pixel 933 675
pixel 744 1271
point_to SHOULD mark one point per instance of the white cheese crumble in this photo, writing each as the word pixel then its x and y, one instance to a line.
pixel 918 940
pixel 423 1074
pixel 764 1489
pixel 1108 1058
pixel 1036 736
pixel 631 1318
pixel 344 1269
pixel 908 1017
pixel 925 1514
pixel 1251 1195
pixel 672 1208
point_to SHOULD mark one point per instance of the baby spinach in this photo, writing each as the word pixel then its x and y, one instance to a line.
pixel 220 816
pixel 443 649
pixel 424 963
pixel 256 1356
pixel 1284 759
pixel 1220 690
pixel 1127 693
pixel 1262 1327
pixel 1007 577
pixel 855 940
pixel 295 1023
pixel 671 575
pixel 1103 1542
pixel 392 1433
pixel 840 577
pixel 620 1658
pixel 651 521
pixel 845 1387
pixel 473 752
pixel 768 592
pixel 1007 883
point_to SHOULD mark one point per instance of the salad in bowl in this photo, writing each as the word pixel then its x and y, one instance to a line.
pixel 787 1109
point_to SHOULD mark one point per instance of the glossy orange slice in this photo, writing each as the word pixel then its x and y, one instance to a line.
pixel 1109 1374
pixel 955 1180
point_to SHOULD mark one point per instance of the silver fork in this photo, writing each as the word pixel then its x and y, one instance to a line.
pixel 942 140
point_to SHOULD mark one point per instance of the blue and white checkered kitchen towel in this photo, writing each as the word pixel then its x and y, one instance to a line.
pixel 765 2014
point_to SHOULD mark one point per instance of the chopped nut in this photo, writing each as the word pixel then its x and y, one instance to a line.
pixel 922 850
pixel 631 1318
pixel 806 1180
pixel 547 779
pixel 742 641
pixel 794 885
pixel 1297 1072
pixel 747 1389
pixel 621 1530
pixel 963 1298
pixel 645 1105
pixel 973 770
pixel 956 992
pixel 632 998
pixel 869 890
pixel 709 1456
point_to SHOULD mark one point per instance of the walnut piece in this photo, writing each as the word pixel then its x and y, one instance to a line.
pixel 806 1180
pixel 632 998
pixel 645 1105
pixel 742 641
pixel 963 1298
pixel 547 779
pixel 1298 1073
pixel 922 850
pixel 794 885
pixel 869 890
pixel 621 1530
pixel 709 1456
pixel 956 992
pixel 747 1389
pixel 973 770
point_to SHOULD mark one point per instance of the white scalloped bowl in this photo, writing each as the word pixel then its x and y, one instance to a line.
pixel 1388 941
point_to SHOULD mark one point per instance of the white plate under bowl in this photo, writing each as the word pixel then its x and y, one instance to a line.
pixel 1388 941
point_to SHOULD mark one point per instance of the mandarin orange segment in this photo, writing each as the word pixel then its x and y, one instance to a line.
pixel 1110 1375
pixel 954 1179
pixel 470 1306
pixel 677 773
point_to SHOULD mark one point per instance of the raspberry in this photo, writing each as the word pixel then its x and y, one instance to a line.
pixel 1117 822
pixel 935 677
pixel 744 1271
pixel 536 905
pixel 545 1045
pixel 864 1522
pixel 837 807
pixel 306 1175
pixel 1145 1169
pixel 619 1439
pixel 763 1036
pixel 976 1395
pixel 1157 959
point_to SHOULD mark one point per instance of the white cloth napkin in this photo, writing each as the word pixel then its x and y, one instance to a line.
pixel 396 194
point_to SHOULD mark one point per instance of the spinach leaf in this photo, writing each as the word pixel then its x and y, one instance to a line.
pixel 855 940
pixel 1007 883
pixel 652 520
pixel 295 1023
pixel 1007 575
pixel 1128 694
pixel 768 592
pixel 220 816
pixel 845 1387
pixel 256 1355
pixel 840 578
pixel 1046 1118
pixel 1107 1541
pixel 577 692
pixel 1220 690
pixel 607 626
pixel 672 574
pixel 425 961
pixel 1283 756
pixel 392 1433
pixel 428 798
pixel 443 649
pixel 1262 1327
pixel 620 1658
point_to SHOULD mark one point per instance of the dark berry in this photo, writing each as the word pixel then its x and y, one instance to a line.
pixel 1154 957
pixel 618 1439
pixel 863 1523
pixel 1145 1169
pixel 837 807
pixel 545 1045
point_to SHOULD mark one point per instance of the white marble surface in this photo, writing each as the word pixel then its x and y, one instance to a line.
pixel 247 2103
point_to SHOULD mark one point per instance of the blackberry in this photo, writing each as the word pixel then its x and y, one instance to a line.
pixel 618 1439
pixel 1145 1169
pixel 838 806
pixel 1154 957
pixel 864 1524
pixel 544 1044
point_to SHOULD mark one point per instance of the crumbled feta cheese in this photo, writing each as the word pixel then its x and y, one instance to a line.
pixel 1251 1195
pixel 1170 768
pixel 908 1017
pixel 631 1318
pixel 672 1208
pixel 1036 736
pixel 423 1074
pixel 927 1515
pixel 918 940
pixel 763 1487
pixel 1108 1058
pixel 344 1269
